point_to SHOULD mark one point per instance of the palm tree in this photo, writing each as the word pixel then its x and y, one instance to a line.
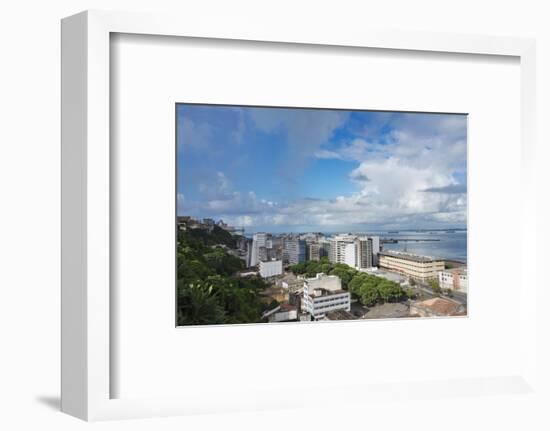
pixel 198 305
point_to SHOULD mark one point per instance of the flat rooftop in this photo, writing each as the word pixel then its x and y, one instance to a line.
pixel 462 270
pixel 409 256
pixel 327 292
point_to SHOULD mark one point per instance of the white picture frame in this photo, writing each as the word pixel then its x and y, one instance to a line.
pixel 86 311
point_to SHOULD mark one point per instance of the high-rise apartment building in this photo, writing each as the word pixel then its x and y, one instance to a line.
pixel 339 247
pixel 294 251
pixel 324 248
pixel 313 251
pixel 355 251
pixel 364 252
pixel 258 240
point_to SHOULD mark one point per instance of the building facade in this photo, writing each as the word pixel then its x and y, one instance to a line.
pixel 454 279
pixel 313 251
pixel 356 251
pixel 323 294
pixel 364 253
pixel 271 268
pixel 421 268
pixel 258 241
pixel 294 251
pixel 324 247
pixel 339 248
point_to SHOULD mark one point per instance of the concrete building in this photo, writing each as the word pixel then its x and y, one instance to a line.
pixel 283 313
pixel 324 248
pixel 269 294
pixel 258 241
pixel 454 279
pixel 356 251
pixel 313 251
pixel 271 268
pixel 294 251
pixel 364 253
pixel 375 240
pixel 421 268
pixel 323 294
pixel 290 282
pixel 339 247
pixel 349 256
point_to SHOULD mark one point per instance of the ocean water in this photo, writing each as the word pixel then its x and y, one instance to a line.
pixel 450 245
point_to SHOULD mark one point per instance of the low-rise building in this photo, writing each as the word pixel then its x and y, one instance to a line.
pixel 421 268
pixel 284 313
pixel 290 282
pixel 272 293
pixel 437 307
pixel 323 294
pixel 271 268
pixel 454 279
pixel 340 315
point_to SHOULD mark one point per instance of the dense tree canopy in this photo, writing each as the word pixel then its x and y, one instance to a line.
pixel 369 289
pixel 208 290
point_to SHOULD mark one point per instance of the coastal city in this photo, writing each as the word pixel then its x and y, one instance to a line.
pixel 304 277
pixel 299 214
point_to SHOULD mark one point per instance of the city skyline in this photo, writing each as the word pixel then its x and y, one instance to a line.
pixel 298 170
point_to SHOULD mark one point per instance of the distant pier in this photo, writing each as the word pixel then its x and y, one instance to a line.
pixel 396 240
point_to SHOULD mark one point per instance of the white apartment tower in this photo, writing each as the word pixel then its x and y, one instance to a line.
pixel 339 247
pixel 258 240
pixel 355 251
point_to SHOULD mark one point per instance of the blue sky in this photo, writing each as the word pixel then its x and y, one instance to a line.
pixel 285 169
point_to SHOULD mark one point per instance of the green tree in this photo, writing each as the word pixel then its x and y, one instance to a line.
pixel 434 284
pixel 344 275
pixel 368 293
pixel 197 305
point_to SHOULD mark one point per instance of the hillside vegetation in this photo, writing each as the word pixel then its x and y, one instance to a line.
pixel 208 291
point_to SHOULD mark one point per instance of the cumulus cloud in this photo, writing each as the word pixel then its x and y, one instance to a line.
pixel 410 173
pixel 407 170
pixel 450 188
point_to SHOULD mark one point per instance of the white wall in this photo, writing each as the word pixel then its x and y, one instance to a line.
pixel 349 255
pixel 271 268
pixel 29 219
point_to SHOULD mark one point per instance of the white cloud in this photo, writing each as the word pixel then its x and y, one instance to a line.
pixel 404 178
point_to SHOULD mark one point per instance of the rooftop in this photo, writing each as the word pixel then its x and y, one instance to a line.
pixel 441 307
pixel 320 276
pixel 327 292
pixel 340 315
pixel 287 307
pixel 409 256
pixel 460 270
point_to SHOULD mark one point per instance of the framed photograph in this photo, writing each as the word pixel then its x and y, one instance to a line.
pixel 243 200
pixel 309 215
